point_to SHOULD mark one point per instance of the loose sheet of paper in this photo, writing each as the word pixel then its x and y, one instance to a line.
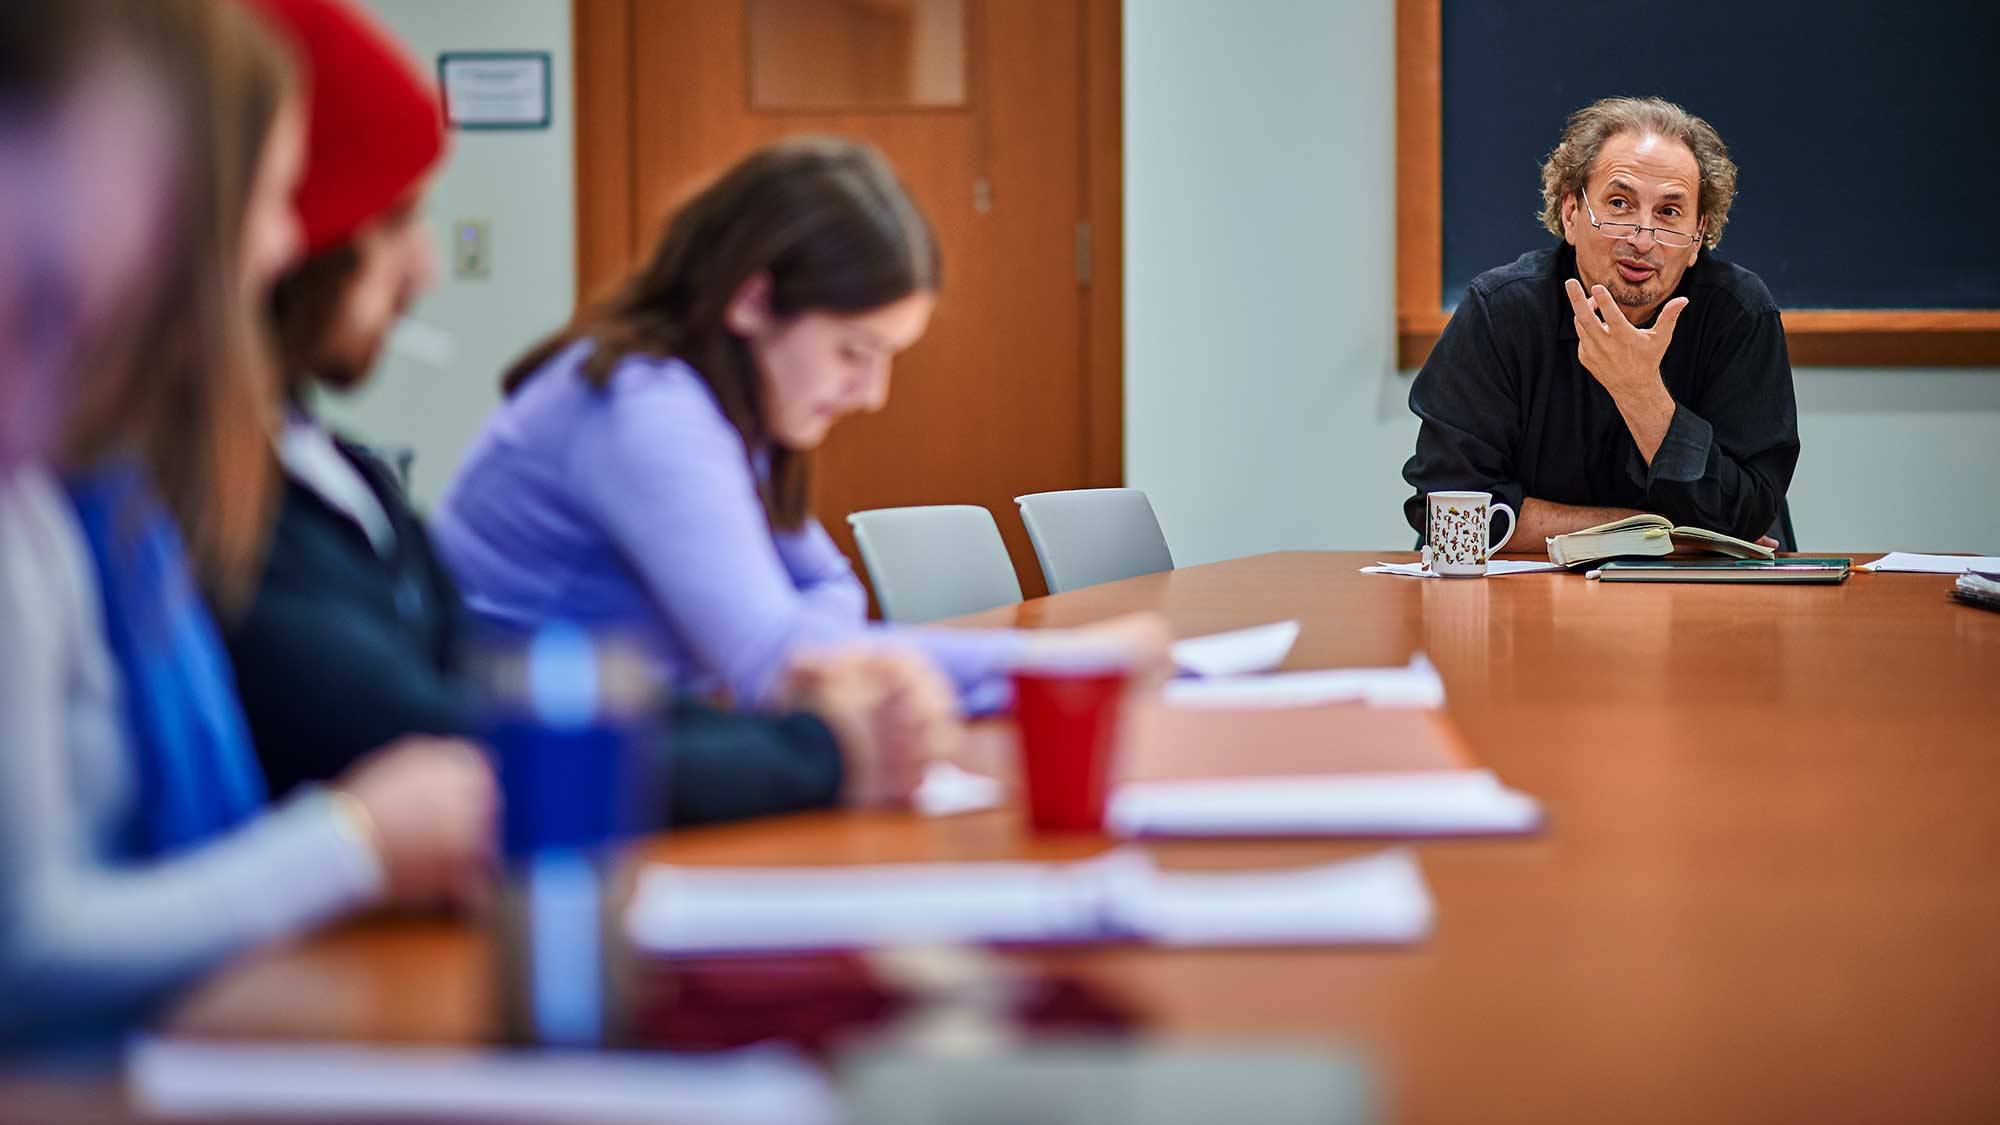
pixel 1118 897
pixel 1428 803
pixel 1909 563
pixel 741 909
pixel 206 1081
pixel 1497 568
pixel 948 790
pixel 1259 648
pixel 1416 684
pixel 1380 898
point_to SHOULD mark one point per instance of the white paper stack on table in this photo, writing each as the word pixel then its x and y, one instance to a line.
pixel 1217 668
pixel 1118 898
pixel 1326 770
pixel 1283 769
pixel 207 1081
pixel 1909 563
pixel 1329 752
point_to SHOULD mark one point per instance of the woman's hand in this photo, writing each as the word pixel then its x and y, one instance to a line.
pixel 430 806
pixel 891 711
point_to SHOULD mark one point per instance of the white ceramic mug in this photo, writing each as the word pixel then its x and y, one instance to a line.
pixel 1461 523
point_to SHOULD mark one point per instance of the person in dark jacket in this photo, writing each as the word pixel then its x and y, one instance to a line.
pixel 356 633
pixel 1626 367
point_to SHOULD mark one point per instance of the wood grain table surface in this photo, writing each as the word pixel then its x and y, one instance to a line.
pixel 1767 890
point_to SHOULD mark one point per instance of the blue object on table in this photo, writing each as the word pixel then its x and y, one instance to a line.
pixel 568 768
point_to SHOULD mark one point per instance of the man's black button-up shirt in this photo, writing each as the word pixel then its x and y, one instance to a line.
pixel 1507 408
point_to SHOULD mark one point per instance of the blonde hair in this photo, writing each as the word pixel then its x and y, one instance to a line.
pixel 1569 164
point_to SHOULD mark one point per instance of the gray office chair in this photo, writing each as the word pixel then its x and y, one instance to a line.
pixel 1788 540
pixel 1092 535
pixel 935 561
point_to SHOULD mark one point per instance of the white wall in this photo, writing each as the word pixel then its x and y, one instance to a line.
pixel 1263 409
pixel 523 184
pixel 1904 458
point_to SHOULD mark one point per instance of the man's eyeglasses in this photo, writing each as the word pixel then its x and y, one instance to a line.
pixel 1665 236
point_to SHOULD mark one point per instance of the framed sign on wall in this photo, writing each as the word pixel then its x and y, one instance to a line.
pixel 495 89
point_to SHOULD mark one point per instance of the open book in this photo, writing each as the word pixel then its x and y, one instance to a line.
pixel 1647 536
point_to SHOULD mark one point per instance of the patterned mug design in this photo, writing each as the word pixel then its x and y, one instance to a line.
pixel 1458 535
pixel 1460 524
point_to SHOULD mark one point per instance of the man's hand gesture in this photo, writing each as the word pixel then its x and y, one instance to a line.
pixel 1624 359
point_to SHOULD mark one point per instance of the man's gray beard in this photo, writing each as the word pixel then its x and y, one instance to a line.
pixel 1629 296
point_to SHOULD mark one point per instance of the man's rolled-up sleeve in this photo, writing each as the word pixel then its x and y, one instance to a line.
pixel 1727 459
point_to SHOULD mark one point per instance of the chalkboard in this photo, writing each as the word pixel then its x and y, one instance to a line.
pixel 1867 134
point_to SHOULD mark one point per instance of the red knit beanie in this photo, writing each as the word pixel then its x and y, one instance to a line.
pixel 376 124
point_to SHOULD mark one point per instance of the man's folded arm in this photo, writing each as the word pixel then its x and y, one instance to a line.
pixel 1727 460
pixel 1545 519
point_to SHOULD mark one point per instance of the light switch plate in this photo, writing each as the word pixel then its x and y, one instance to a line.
pixel 471 249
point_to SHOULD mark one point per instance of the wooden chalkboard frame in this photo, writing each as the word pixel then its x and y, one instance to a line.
pixel 1815 337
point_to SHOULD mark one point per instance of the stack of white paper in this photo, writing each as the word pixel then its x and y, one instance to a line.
pixel 1932 564
pixel 1119 897
pixel 206 1081
pixel 1413 685
pixel 1375 900
pixel 1429 803
pixel 742 909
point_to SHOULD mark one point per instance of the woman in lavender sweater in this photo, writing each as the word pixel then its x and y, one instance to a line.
pixel 650 467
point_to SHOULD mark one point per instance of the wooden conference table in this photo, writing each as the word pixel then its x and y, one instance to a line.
pixel 1768 889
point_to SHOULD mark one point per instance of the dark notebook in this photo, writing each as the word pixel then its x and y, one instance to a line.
pixel 1825 570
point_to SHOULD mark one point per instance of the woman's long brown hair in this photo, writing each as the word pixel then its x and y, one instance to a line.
pixel 190 394
pixel 830 225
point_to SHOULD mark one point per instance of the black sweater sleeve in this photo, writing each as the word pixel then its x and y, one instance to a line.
pixel 1727 459
pixel 722 765
pixel 342 652
pixel 322 686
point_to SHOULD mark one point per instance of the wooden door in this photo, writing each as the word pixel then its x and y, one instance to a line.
pixel 1017 387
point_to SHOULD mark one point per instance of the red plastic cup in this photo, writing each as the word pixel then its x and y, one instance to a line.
pixel 1067 706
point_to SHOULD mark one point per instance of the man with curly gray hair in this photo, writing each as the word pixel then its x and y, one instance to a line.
pixel 1626 368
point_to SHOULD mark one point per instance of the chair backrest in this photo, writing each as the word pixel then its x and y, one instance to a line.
pixel 1092 535
pixel 935 561
pixel 1781 530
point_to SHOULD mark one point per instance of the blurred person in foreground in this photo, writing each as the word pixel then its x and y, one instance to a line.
pixel 355 633
pixel 147 158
